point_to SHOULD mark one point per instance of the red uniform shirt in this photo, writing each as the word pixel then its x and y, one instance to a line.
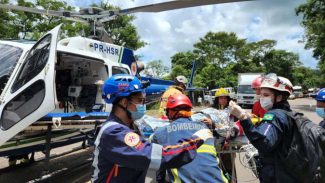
pixel 258 110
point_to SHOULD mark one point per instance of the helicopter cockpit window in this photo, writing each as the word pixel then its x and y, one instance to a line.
pixel 22 105
pixel 34 64
pixel 8 58
pixel 119 70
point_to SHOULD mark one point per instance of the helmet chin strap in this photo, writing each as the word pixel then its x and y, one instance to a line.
pixel 172 117
pixel 128 113
pixel 175 115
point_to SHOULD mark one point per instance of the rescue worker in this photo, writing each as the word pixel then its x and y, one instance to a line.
pixel 178 88
pixel 257 110
pixel 205 167
pixel 222 99
pixel 274 134
pixel 121 155
pixel 221 102
pixel 320 106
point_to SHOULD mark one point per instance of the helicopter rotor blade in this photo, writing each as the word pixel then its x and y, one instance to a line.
pixel 39 11
pixel 172 5
pixel 165 6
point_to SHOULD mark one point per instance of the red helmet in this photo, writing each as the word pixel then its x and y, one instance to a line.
pixel 178 100
pixel 257 82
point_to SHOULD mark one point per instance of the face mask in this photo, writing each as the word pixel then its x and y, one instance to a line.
pixel 139 113
pixel 320 112
pixel 266 103
pixel 257 97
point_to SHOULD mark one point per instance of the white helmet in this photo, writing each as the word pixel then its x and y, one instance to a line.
pixel 277 83
pixel 181 79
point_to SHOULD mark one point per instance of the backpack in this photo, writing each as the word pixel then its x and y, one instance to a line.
pixel 305 157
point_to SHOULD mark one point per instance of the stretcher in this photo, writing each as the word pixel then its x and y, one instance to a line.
pixel 52 131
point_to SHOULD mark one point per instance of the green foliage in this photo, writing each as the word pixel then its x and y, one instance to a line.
pixel 18 24
pixel 306 77
pixel 7 31
pixel 122 30
pixel 281 62
pixel 219 48
pixel 156 69
pixel 180 70
pixel 313 12
pixel 314 22
pixel 221 56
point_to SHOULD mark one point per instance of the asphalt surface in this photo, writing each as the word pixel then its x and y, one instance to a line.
pixel 75 167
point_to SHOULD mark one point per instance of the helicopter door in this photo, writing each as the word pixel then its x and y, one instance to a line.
pixel 32 94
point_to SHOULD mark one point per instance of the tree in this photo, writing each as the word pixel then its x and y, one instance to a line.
pixel 219 48
pixel 179 70
pixel 7 31
pixel 185 59
pixel 313 12
pixel 307 77
pixel 221 56
pixel 156 69
pixel 281 62
pixel 122 30
pixel 314 22
pixel 33 26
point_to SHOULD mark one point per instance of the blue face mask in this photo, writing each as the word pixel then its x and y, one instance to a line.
pixel 139 113
pixel 320 111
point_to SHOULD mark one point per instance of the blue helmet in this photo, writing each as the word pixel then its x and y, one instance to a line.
pixel 120 85
pixel 321 95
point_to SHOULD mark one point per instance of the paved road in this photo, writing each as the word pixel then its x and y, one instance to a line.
pixel 79 161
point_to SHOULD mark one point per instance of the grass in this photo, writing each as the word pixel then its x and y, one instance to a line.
pixel 152 109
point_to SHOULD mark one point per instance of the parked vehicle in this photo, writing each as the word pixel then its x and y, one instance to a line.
pixel 312 92
pixel 245 94
pixel 64 83
pixel 297 91
pixel 211 96
pixel 292 96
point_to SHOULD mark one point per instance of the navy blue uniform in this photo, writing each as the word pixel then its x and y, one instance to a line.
pixel 274 133
pixel 204 168
pixel 322 123
pixel 123 156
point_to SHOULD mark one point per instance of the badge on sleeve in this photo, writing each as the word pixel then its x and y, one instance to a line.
pixel 131 139
pixel 268 117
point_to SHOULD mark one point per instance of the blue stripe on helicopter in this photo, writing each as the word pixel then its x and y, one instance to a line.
pixel 127 57
pixel 79 114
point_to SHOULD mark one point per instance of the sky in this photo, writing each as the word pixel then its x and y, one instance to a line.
pixel 175 31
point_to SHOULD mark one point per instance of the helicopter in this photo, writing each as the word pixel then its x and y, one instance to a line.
pixel 51 82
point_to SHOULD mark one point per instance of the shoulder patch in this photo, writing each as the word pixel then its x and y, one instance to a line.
pixel 268 117
pixel 131 139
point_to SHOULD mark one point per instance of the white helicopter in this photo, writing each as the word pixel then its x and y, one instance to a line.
pixel 53 82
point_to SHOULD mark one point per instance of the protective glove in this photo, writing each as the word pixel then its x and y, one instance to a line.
pixel 233 132
pixel 236 110
pixel 204 134
pixel 207 121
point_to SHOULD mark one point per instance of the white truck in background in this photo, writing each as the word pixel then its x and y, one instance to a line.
pixel 245 94
pixel 297 91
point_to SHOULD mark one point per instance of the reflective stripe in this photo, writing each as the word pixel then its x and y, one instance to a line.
pixel 108 124
pixel 225 180
pixel 156 154
pixel 207 149
pixel 175 175
pixel 210 149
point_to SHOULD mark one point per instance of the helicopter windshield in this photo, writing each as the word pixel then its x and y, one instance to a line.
pixel 8 58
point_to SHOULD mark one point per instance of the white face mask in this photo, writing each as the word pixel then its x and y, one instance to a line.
pixel 266 103
pixel 257 97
